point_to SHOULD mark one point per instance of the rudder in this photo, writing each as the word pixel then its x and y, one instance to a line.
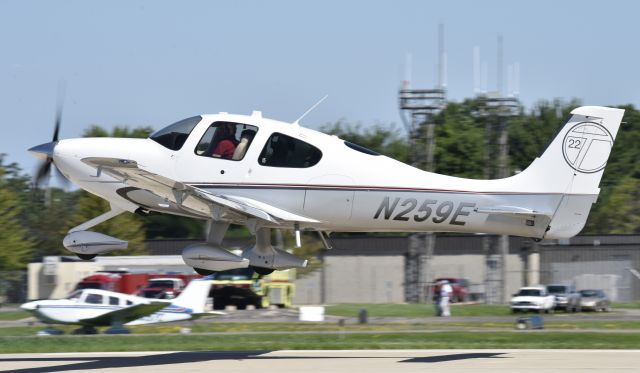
pixel 194 296
pixel 573 165
pixel 575 160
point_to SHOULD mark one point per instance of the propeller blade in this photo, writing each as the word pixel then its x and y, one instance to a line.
pixel 56 128
pixel 43 171
pixel 59 106
pixel 46 150
pixel 60 178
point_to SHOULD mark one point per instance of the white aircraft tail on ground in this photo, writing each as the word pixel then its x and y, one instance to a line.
pixel 188 305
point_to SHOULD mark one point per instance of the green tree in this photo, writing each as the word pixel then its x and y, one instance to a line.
pixel 459 142
pixel 118 131
pixel 387 140
pixel 48 222
pixel 125 226
pixel 618 209
pixel 530 134
pixel 15 245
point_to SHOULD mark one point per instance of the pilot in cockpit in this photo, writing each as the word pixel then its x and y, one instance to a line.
pixel 226 141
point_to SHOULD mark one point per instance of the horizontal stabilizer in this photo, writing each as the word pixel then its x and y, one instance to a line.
pixel 510 210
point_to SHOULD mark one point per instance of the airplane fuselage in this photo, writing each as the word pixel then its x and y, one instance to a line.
pixel 347 190
pixel 91 304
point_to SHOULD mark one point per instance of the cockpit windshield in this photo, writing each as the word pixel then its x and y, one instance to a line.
pixel 75 295
pixel 530 293
pixel 174 136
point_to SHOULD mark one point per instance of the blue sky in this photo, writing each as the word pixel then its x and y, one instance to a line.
pixel 154 62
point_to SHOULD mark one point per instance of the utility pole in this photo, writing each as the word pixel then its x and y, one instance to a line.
pixel 418 108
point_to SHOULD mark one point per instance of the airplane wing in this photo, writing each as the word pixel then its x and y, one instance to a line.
pixel 125 315
pixel 218 206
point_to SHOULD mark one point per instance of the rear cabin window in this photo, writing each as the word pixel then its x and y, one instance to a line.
pixel 360 148
pixel 94 299
pixel 226 140
pixel 114 301
pixel 174 136
pixel 286 151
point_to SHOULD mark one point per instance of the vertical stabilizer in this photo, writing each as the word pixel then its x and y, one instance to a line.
pixel 194 296
pixel 575 160
pixel 572 166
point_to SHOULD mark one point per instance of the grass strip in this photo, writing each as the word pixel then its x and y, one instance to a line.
pixel 13 315
pixel 427 340
pixel 415 310
pixel 332 327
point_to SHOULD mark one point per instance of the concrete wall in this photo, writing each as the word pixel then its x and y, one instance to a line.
pixel 470 267
pixel 58 285
pixel 354 279
pixel 380 279
pixel 611 258
pixel 361 279
pixel 308 289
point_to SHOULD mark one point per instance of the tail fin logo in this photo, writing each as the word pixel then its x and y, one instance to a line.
pixel 586 147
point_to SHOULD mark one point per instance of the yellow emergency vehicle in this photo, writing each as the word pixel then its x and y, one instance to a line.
pixel 243 287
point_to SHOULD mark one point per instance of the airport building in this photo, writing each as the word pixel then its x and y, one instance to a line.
pixel 366 269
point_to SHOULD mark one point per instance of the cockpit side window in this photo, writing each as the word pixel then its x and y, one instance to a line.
pixel 226 140
pixel 174 136
pixel 286 151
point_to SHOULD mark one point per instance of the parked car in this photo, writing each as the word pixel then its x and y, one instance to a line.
pixel 533 298
pixel 567 298
pixel 460 287
pixel 162 288
pixel 595 300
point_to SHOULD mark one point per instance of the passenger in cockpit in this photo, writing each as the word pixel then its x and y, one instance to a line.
pixel 226 141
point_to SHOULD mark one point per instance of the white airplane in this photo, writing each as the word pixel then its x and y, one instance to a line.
pixel 95 307
pixel 265 174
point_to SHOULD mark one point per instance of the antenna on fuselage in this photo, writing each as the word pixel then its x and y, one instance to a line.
pixel 297 121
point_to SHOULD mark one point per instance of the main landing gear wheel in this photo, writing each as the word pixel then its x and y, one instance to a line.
pixel 262 271
pixel 86 256
pixel 85 330
pixel 203 272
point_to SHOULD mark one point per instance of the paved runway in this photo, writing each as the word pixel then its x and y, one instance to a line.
pixel 349 361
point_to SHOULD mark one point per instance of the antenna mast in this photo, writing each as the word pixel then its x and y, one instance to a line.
pixel 418 108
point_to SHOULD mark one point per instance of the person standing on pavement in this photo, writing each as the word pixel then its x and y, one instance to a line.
pixel 436 297
pixel 445 296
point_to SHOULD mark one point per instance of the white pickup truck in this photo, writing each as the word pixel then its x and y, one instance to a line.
pixel 533 298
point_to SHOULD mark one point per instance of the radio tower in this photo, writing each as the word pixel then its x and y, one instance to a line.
pixel 418 108
pixel 496 110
